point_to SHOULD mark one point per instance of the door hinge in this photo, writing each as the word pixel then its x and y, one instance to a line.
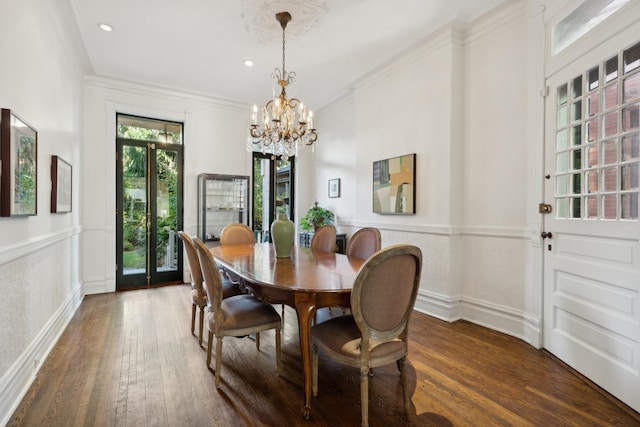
pixel 544 208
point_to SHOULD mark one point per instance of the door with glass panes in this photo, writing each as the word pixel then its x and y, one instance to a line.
pixel 591 238
pixel 272 192
pixel 149 202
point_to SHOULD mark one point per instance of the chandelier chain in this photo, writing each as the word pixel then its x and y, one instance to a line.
pixel 284 73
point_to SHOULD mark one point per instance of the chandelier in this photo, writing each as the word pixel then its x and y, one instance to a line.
pixel 285 123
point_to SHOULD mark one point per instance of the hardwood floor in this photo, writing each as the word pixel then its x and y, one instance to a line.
pixel 129 359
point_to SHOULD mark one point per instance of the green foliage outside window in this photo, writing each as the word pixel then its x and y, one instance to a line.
pixel 135 209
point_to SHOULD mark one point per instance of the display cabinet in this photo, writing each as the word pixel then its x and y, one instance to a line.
pixel 222 200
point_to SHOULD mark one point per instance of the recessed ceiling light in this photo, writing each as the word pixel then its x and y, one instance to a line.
pixel 248 62
pixel 105 27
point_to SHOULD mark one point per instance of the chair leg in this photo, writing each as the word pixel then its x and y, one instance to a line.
pixel 201 325
pixel 258 341
pixel 218 360
pixel 278 347
pixel 364 396
pixel 314 369
pixel 402 364
pixel 282 316
pixel 193 317
pixel 209 344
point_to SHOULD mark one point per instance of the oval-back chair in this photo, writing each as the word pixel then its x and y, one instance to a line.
pixel 364 243
pixel 377 333
pixel 324 238
pixel 198 294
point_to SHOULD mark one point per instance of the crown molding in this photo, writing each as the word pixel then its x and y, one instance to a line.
pixel 142 89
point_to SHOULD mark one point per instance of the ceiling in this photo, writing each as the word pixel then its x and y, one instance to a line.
pixel 198 46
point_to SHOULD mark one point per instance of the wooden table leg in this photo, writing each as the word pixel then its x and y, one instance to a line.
pixel 305 309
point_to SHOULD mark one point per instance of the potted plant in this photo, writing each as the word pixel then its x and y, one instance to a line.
pixel 316 217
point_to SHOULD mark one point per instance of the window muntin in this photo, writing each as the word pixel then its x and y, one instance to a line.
pixel 598 141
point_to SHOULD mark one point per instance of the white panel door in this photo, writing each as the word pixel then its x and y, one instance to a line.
pixel 592 257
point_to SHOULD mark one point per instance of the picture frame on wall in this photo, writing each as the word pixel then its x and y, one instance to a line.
pixel 18 166
pixel 334 188
pixel 61 185
pixel 394 185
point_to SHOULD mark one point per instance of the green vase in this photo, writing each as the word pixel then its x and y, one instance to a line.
pixel 282 234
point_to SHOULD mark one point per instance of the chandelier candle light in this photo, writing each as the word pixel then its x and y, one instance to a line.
pixel 286 123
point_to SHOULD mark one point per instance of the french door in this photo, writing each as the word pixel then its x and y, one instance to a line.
pixel 592 234
pixel 148 212
pixel 273 191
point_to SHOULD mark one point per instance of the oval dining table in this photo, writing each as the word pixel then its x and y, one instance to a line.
pixel 308 280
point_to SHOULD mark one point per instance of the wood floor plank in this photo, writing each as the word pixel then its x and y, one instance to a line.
pixel 129 359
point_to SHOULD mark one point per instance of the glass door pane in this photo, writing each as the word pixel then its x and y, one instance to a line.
pixel 166 210
pixel 262 188
pixel 273 191
pixel 134 212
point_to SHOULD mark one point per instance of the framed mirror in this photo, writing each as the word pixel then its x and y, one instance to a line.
pixel 18 166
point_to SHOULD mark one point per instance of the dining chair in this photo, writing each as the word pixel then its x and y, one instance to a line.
pixel 324 238
pixel 364 243
pixel 240 234
pixel 377 331
pixel 237 234
pixel 198 294
pixel 236 316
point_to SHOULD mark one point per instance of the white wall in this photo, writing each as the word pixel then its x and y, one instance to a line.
pixel 41 80
pixel 214 140
pixel 459 101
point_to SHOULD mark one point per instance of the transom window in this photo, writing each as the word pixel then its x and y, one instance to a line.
pixel 132 127
pixel 598 141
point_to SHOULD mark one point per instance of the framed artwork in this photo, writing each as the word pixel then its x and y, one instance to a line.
pixel 60 185
pixel 394 190
pixel 18 166
pixel 334 187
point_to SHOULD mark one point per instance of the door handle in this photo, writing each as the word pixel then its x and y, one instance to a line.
pixel 546 234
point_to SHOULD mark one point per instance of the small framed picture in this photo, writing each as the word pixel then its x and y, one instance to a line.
pixel 334 187
pixel 60 185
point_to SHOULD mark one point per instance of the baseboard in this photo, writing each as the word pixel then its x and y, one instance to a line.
pixel 503 319
pixel 439 306
pixel 19 377
pixel 98 285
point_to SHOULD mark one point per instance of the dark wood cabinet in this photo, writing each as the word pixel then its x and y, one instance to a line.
pixel 341 241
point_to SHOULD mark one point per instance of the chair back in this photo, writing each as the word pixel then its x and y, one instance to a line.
pixel 364 243
pixel 324 239
pixel 237 234
pixel 194 265
pixel 211 276
pixel 385 291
